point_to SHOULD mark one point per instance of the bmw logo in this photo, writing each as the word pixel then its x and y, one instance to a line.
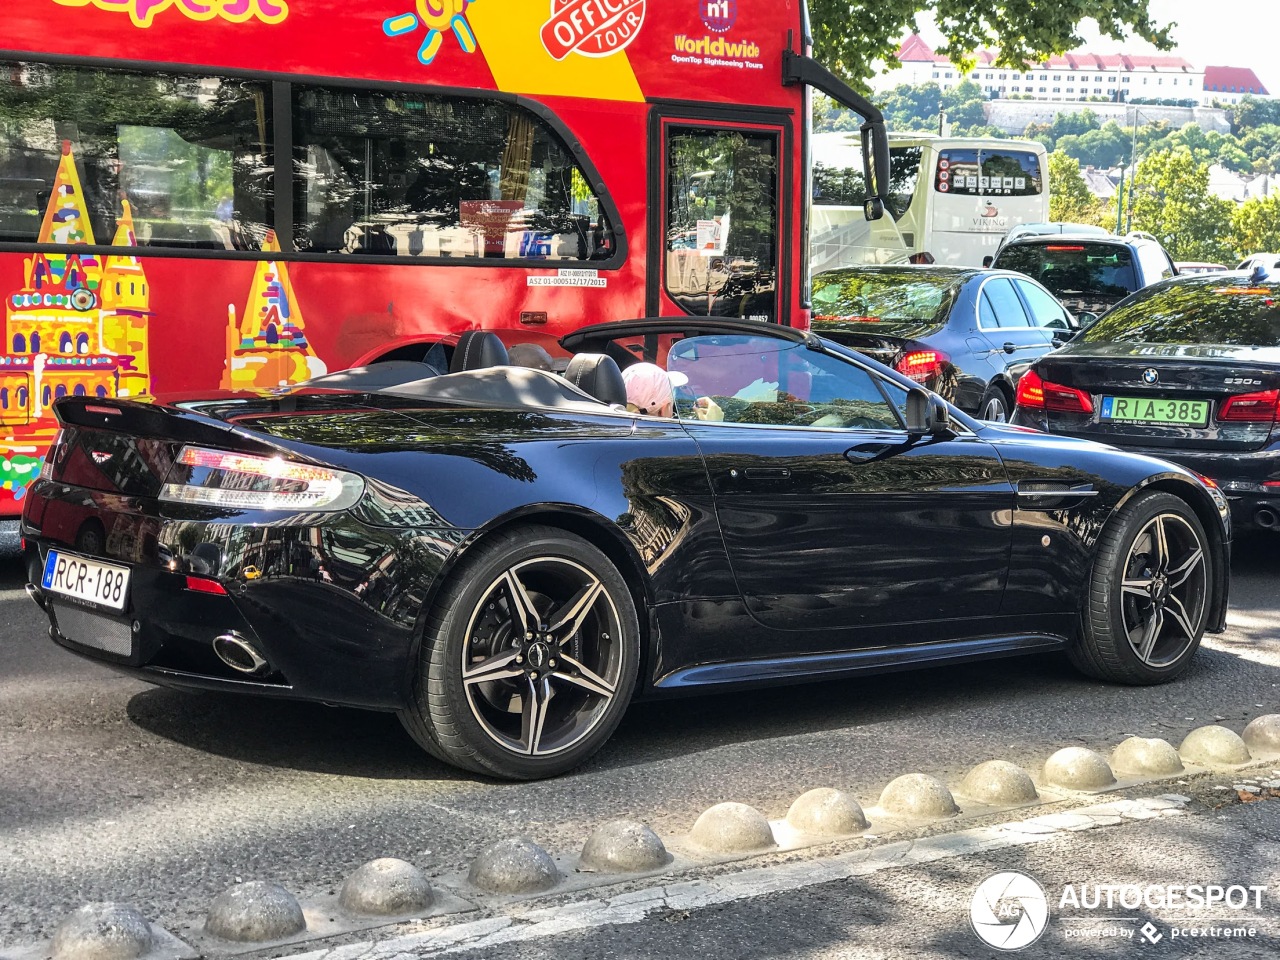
pixel 1150 376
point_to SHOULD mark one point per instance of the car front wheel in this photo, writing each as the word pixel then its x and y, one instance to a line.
pixel 1148 597
pixel 528 658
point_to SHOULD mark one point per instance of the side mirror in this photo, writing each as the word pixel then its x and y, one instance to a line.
pixel 873 208
pixel 875 166
pixel 1086 319
pixel 927 414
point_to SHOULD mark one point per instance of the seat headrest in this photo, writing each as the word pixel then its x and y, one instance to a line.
pixel 477 349
pixel 598 375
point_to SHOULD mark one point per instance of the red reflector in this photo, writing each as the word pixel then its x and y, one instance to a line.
pixel 205 585
pixel 105 411
pixel 1271 483
pixel 1254 407
pixel 1061 247
pixel 1209 482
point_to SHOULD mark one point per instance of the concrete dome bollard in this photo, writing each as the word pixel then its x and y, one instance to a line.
pixel 1146 757
pixel 624 846
pixel 732 828
pixel 920 796
pixel 103 931
pixel 1262 736
pixel 514 865
pixel 386 887
pixel 999 783
pixel 1077 768
pixel 825 812
pixel 1214 746
pixel 254 912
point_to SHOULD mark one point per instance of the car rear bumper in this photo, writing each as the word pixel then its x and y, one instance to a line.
pixel 330 608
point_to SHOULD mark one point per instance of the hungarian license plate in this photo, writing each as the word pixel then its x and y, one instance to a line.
pixel 1182 413
pixel 101 584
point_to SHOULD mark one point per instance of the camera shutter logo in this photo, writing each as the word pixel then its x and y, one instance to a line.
pixel 1009 911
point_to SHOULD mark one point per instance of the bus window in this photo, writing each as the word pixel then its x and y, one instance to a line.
pixel 972 173
pixel 843 185
pixel 191 154
pixel 432 175
pixel 722 222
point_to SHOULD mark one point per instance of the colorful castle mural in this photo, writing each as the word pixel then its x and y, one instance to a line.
pixel 77 326
pixel 267 346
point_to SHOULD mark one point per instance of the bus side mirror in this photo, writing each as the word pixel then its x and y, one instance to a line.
pixel 875 167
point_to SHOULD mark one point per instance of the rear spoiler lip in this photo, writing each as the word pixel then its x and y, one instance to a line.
pixel 161 421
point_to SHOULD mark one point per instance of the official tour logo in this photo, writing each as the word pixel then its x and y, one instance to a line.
pixel 1009 911
pixel 718 15
pixel 593 28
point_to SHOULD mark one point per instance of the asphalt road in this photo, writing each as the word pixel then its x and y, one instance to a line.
pixel 114 790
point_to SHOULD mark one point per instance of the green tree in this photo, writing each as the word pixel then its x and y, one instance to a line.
pixel 1069 196
pixel 849 37
pixel 1255 224
pixel 1170 198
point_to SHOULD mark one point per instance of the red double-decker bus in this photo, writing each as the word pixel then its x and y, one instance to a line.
pixel 247 193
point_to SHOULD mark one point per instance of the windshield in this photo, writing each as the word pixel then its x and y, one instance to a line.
pixel 1074 268
pixel 1208 311
pixel 898 297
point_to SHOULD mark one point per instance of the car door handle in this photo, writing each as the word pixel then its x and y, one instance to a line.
pixel 867 451
pixel 1010 347
pixel 767 473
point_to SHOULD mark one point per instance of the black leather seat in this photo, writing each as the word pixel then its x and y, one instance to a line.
pixel 477 349
pixel 598 375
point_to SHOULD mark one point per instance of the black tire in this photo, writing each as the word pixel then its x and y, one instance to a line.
pixel 1147 605
pixel 528 659
pixel 994 406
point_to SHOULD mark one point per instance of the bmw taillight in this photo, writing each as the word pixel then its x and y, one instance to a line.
pixel 922 366
pixel 1036 393
pixel 218 478
pixel 1253 407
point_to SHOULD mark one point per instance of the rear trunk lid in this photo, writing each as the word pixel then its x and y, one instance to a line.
pixel 1152 395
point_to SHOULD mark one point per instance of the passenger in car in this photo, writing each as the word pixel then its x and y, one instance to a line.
pixel 649 390
pixel 530 355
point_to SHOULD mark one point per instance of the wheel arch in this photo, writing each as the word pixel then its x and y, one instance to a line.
pixel 590 526
pixel 1201 503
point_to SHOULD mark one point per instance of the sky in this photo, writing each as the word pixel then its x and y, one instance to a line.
pixel 1225 33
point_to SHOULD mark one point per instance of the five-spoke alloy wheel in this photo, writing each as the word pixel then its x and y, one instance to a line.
pixel 529 658
pixel 1148 601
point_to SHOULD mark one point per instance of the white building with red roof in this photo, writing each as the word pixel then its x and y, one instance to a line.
pixel 1080 75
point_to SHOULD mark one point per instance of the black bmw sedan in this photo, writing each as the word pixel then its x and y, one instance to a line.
pixel 966 334
pixel 507 557
pixel 1188 370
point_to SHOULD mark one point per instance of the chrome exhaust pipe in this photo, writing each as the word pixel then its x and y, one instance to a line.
pixel 36 596
pixel 239 654
pixel 1266 518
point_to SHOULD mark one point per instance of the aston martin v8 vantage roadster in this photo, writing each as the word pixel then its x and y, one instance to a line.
pixel 508 556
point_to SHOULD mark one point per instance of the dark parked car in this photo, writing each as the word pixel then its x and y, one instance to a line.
pixel 966 334
pixel 1089 274
pixel 1188 370
pixel 507 557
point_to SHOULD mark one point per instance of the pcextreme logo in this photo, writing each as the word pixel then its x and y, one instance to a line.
pixel 593 28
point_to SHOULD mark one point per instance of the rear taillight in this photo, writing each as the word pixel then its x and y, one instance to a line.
pixel 218 478
pixel 922 366
pixel 51 456
pixel 205 585
pixel 1254 407
pixel 1036 393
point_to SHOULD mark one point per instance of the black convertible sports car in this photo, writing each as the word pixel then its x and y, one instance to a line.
pixel 508 556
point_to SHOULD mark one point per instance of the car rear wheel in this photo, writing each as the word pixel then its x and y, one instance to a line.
pixel 994 406
pixel 528 658
pixel 1148 599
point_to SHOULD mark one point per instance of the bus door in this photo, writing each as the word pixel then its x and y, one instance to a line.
pixel 719 216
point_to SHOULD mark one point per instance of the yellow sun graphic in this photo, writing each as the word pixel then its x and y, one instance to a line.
pixel 437 16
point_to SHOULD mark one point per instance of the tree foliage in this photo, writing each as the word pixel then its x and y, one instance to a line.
pixel 849 37
pixel 1069 196
pixel 1255 225
pixel 1170 198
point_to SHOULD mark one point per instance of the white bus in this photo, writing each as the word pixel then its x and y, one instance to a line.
pixel 951 197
